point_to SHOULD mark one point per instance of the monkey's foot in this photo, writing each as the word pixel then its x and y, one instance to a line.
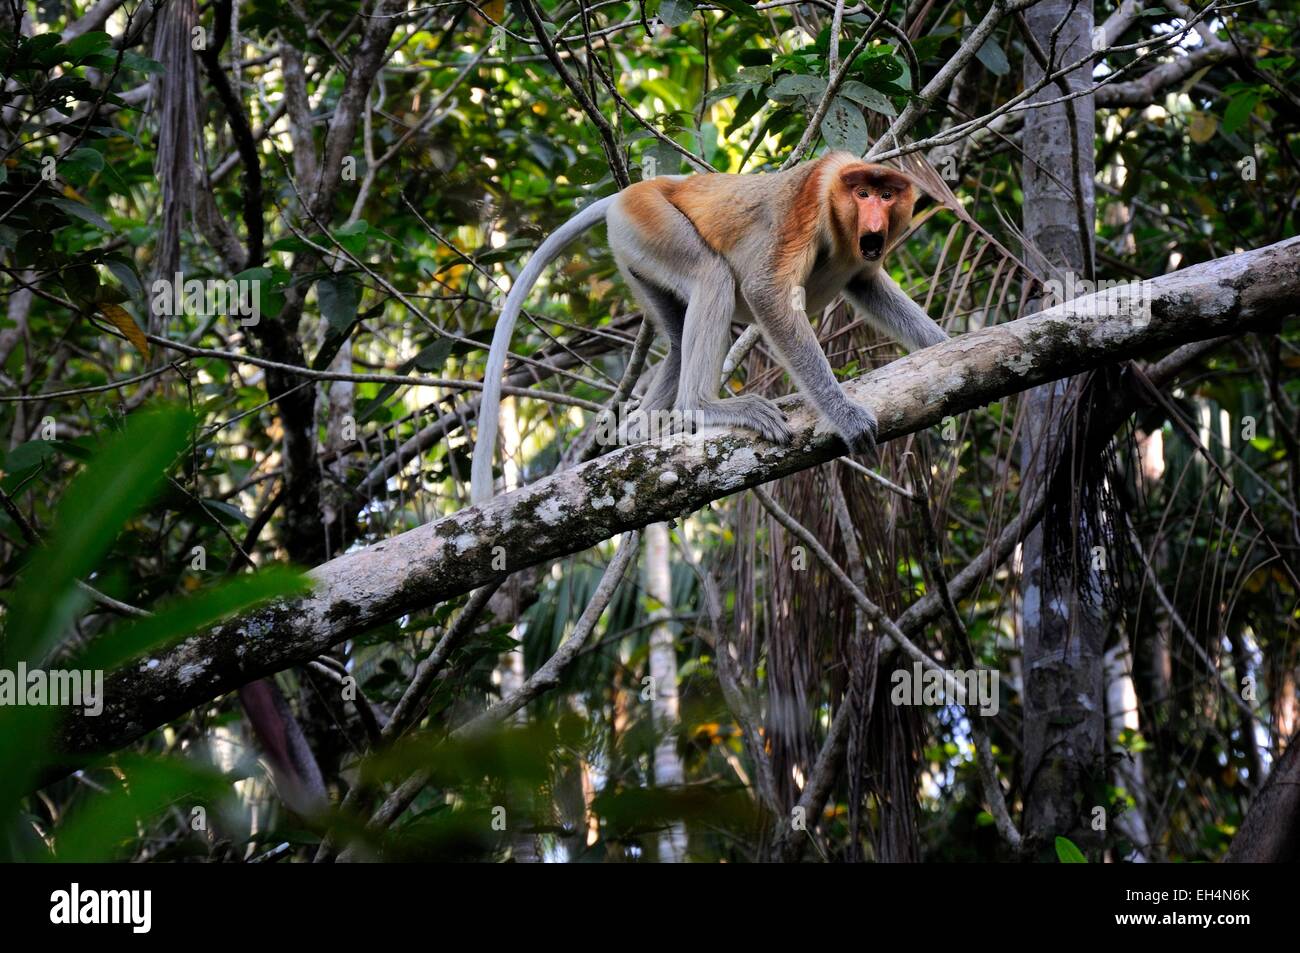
pixel 636 428
pixel 858 428
pixel 651 423
pixel 748 410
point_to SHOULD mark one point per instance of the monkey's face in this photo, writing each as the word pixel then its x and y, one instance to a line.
pixel 882 203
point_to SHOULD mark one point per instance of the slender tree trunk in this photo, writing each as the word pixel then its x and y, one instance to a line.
pixel 1062 618
pixel 663 674
pixel 525 847
pixel 1129 771
pixel 1242 667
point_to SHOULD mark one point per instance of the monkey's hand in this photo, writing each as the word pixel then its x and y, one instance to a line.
pixel 857 427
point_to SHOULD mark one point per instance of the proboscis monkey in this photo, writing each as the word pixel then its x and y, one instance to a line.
pixel 701 251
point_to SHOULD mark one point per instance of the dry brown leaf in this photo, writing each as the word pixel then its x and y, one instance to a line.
pixel 1202 127
pixel 122 320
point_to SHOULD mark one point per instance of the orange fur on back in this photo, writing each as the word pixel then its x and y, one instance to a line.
pixel 643 203
pixel 822 210
pixel 709 201
pixel 797 239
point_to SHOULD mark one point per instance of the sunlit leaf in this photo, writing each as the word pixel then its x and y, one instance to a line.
pixel 1068 853
pixel 122 320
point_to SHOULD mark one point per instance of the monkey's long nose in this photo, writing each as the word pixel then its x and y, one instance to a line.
pixel 872 245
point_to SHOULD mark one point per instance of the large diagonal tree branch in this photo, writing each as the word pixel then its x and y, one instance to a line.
pixel 631 487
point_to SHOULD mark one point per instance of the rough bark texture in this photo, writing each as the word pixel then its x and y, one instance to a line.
pixel 1271 832
pixel 629 488
pixel 1063 632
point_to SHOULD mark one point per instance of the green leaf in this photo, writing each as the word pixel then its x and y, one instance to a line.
pixel 44 51
pixel 339 296
pixel 429 360
pixel 335 337
pixel 142 64
pixel 507 252
pixel 1239 109
pixel 110 294
pixel 738 7
pixel 123 269
pixel 676 12
pixel 864 95
pixel 793 85
pixel 24 460
pixel 289 243
pixel 87 157
pixel 123 477
pixel 83 212
pixel 80 282
pixel 149 786
pixel 727 90
pixel 587 170
pixel 879 70
pixel 1068 853
pixel 746 109
pixel 928 46
pixel 664 158
pixel 353 237
pixel 993 58
pixel 225 512
pixel 844 127
pixel 270 284
pixel 87 43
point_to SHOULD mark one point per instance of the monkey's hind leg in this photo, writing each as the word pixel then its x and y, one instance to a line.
pixel 658 248
pixel 668 314
pixel 705 338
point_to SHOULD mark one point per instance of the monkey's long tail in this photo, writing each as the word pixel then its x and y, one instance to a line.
pixel 480 473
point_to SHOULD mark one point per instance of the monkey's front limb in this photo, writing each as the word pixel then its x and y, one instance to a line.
pixel 888 308
pixel 793 340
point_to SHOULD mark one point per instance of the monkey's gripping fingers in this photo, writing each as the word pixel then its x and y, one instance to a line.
pixel 858 427
pixel 749 411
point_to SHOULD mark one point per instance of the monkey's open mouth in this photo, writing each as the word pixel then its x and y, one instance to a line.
pixel 871 246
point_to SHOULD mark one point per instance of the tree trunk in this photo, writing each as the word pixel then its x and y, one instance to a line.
pixel 1062 617
pixel 1270 834
pixel 663 685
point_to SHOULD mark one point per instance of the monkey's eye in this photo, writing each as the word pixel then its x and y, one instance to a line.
pixel 863 193
pixel 886 195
